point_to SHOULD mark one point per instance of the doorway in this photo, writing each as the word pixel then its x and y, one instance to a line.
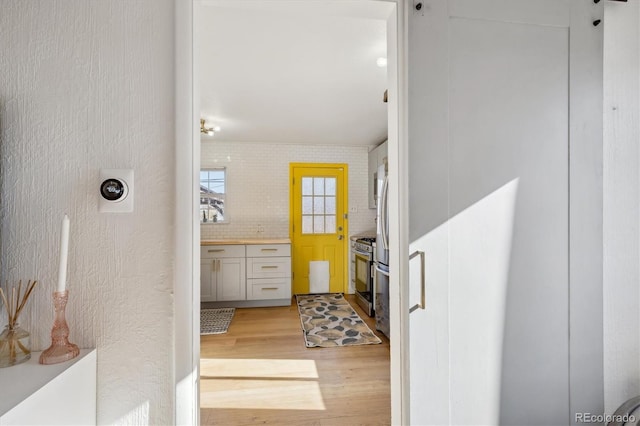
pixel 187 235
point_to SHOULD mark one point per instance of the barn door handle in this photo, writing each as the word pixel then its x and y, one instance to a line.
pixel 423 280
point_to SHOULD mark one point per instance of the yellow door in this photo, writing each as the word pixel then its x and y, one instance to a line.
pixel 318 205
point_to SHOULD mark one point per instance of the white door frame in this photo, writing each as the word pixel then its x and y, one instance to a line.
pixel 186 336
pixel 186 349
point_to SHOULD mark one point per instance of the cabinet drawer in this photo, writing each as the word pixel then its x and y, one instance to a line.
pixel 268 267
pixel 268 288
pixel 217 252
pixel 268 250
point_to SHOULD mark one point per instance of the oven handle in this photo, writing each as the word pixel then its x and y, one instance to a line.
pixel 366 254
pixel 382 271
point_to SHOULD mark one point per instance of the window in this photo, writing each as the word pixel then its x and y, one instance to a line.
pixel 318 205
pixel 213 195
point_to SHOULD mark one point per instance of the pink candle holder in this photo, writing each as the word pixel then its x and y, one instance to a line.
pixel 60 350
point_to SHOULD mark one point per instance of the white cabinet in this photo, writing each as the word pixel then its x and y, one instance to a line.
pixel 269 289
pixel 377 157
pixel 207 283
pixel 222 273
pixel 269 272
pixel 230 279
pixel 269 250
pixel 373 173
pixel 268 267
pixel 246 274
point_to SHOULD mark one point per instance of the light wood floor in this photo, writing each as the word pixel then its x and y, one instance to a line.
pixel 260 372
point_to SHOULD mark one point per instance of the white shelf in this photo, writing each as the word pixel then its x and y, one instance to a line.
pixel 64 393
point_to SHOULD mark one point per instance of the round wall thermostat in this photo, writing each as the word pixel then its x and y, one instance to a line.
pixel 116 191
pixel 113 190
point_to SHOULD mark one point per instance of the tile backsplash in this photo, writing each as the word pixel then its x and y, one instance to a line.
pixel 257 200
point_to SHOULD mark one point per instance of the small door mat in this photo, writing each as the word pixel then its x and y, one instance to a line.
pixel 328 320
pixel 215 321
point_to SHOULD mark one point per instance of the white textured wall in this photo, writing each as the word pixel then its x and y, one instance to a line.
pixel 258 185
pixel 621 203
pixel 86 85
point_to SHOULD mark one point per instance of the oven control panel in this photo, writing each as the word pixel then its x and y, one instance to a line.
pixel 364 245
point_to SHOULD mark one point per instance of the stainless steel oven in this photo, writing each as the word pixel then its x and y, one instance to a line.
pixel 364 274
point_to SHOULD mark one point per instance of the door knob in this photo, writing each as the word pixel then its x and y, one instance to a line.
pixel 340 237
pixel 339 228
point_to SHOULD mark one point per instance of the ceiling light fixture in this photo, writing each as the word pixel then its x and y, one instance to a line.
pixel 381 62
pixel 207 130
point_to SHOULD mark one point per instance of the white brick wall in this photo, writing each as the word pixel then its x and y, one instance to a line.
pixel 258 185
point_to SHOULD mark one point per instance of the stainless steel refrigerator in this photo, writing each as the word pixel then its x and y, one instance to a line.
pixel 382 252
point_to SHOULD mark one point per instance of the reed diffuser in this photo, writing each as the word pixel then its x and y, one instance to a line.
pixel 15 344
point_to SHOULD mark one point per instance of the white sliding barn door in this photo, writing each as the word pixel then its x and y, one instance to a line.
pixel 505 133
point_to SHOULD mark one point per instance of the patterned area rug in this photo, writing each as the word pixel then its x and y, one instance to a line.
pixel 328 320
pixel 215 321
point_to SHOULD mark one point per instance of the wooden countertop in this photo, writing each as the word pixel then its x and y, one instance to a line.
pixel 245 241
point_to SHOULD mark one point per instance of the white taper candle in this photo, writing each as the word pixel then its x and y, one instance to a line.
pixel 64 252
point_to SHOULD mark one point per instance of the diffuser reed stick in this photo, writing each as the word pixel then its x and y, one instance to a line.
pixel 17 303
pixel 14 306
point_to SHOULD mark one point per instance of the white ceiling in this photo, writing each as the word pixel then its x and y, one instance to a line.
pixel 292 71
